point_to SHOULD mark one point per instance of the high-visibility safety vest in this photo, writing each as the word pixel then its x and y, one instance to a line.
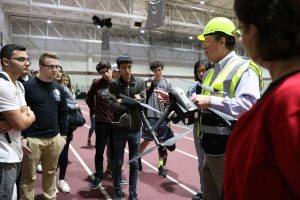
pixel 229 78
pixel 227 81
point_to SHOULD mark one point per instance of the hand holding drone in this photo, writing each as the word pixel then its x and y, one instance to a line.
pixel 181 108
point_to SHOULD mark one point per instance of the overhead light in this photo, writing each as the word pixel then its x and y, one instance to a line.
pixel 49 21
pixel 191 37
pixel 142 31
pixel 202 2
pixel 98 26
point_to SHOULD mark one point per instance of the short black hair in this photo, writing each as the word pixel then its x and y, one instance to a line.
pixel 156 64
pixel 277 24
pixel 102 64
pixel 7 50
pixel 230 40
pixel 123 59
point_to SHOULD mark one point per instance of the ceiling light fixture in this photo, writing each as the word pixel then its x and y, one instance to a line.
pixel 142 31
pixel 202 2
pixel 49 21
pixel 191 37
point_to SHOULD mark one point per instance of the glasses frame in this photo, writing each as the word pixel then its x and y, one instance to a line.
pixel 22 60
pixel 52 66
pixel 237 33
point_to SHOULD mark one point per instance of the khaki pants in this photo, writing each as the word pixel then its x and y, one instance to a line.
pixel 213 174
pixel 46 150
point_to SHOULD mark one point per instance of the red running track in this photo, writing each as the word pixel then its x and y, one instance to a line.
pixel 181 183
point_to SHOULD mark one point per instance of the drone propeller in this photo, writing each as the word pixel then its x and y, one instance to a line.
pixel 133 102
pixel 168 142
pixel 226 118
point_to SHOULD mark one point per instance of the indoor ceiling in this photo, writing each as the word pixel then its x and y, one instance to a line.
pixel 72 19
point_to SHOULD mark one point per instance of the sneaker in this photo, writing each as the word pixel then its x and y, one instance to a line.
pixel 63 186
pixel 89 142
pixel 96 182
pixel 39 168
pixel 140 164
pixel 162 172
pixel 197 196
pixel 123 182
pixel 133 196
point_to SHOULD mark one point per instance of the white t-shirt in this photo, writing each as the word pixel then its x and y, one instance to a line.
pixel 11 98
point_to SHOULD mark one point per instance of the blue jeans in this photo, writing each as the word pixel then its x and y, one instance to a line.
pixel 120 138
pixel 9 173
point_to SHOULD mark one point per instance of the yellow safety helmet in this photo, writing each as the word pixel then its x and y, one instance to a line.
pixel 221 24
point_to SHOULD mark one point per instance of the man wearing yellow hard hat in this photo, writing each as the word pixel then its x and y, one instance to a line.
pixel 236 83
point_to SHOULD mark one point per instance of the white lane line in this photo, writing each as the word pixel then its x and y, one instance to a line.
pixel 180 126
pixel 85 112
pixel 168 177
pixel 82 104
pixel 153 167
pixel 187 154
pixel 90 173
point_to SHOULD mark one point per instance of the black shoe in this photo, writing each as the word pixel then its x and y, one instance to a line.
pixel 96 182
pixel 162 172
pixel 118 195
pixel 197 196
pixel 133 196
pixel 140 164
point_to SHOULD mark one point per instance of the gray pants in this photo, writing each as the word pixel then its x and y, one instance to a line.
pixel 200 155
pixel 8 177
pixel 213 171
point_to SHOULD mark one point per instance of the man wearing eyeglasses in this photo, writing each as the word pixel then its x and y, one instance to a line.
pixel 240 81
pixel 43 141
pixel 15 115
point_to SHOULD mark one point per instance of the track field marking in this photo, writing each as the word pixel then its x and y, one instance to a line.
pixel 168 177
pixel 89 171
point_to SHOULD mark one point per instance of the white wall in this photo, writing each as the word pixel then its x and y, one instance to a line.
pixel 83 57
pixel 4 27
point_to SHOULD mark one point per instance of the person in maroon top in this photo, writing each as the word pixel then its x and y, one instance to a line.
pixel 262 156
pixel 103 126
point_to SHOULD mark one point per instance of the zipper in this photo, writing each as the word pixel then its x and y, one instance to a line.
pixel 128 87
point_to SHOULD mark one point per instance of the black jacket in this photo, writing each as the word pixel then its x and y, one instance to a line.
pixel 131 119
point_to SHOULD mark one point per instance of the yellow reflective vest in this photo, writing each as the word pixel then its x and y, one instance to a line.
pixel 227 81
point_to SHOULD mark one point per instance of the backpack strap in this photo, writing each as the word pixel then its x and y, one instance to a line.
pixel 6 134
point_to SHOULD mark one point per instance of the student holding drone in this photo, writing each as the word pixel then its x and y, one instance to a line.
pixel 127 123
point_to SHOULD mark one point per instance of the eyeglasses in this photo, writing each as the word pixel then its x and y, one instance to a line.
pixel 52 66
pixel 237 33
pixel 22 60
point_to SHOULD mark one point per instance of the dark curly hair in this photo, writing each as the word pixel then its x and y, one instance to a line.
pixel 102 64
pixel 277 23
pixel 156 64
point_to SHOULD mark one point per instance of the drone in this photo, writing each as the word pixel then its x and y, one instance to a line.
pixel 181 108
